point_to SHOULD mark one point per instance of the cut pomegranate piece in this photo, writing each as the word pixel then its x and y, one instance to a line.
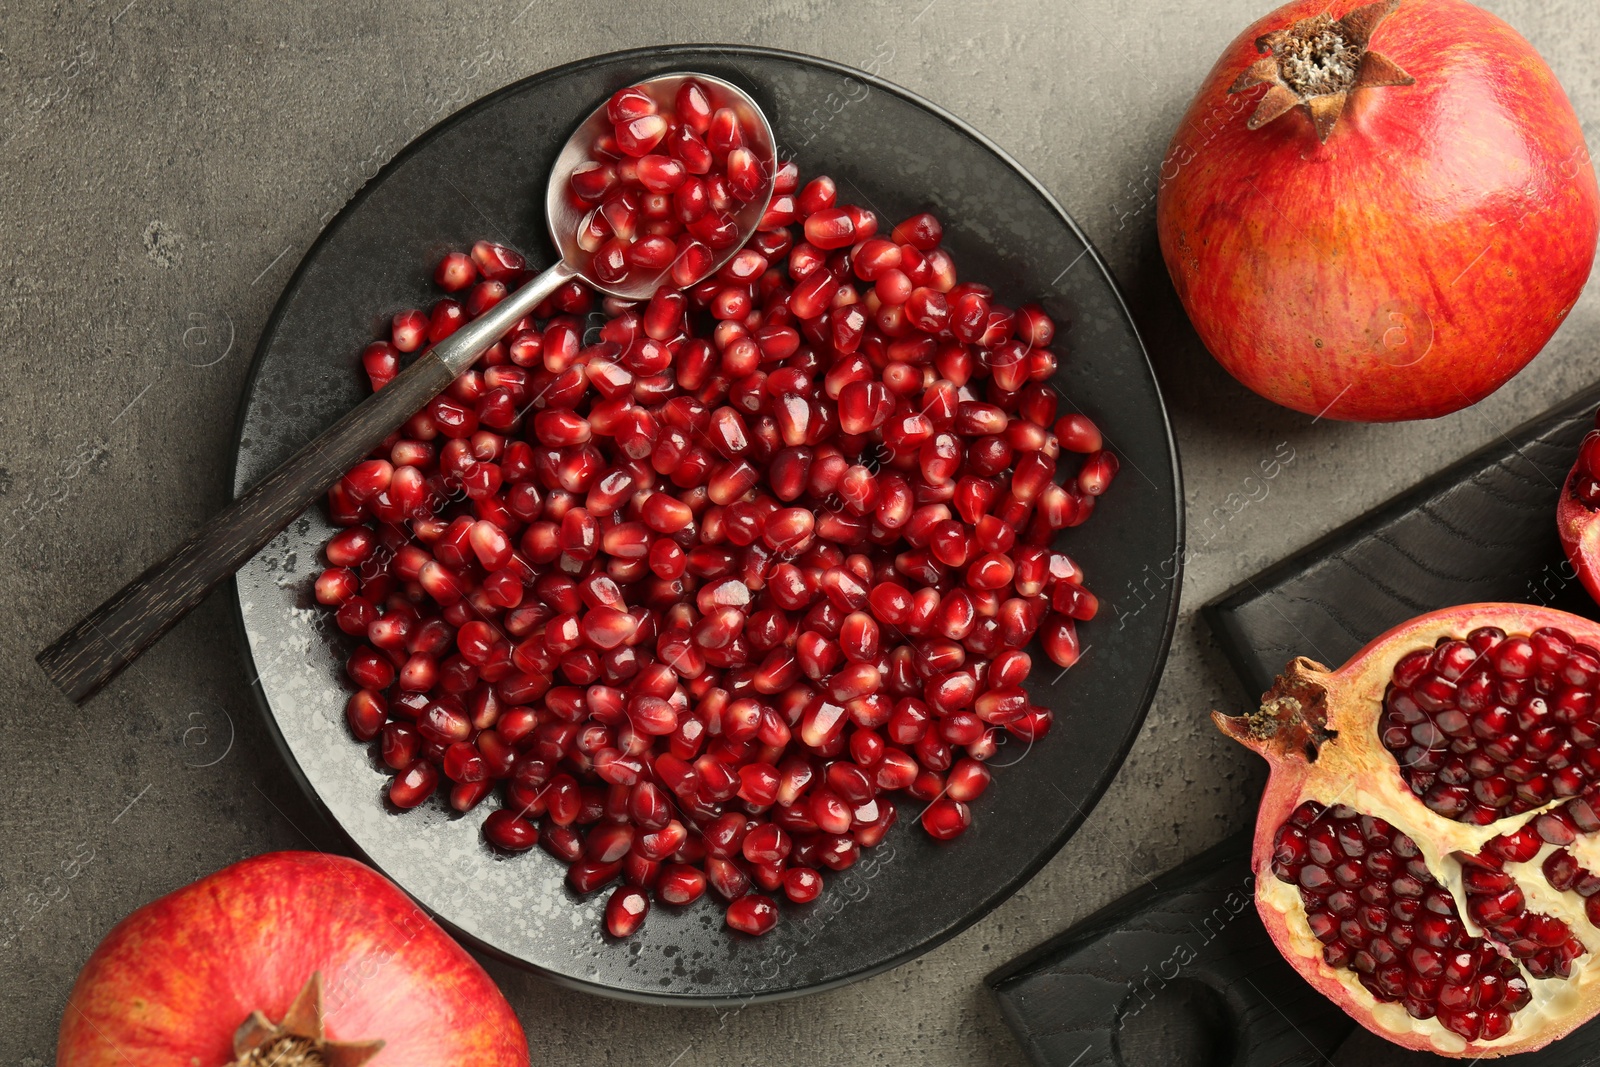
pixel 1383 918
pixel 1415 859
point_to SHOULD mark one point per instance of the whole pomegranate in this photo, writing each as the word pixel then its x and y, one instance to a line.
pixel 1378 212
pixel 294 959
pixel 1427 852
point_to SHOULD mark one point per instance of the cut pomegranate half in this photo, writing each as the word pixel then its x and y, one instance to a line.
pixel 1403 864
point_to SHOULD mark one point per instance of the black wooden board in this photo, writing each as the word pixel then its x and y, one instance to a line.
pixel 1192 940
pixel 1483 529
pixel 1183 972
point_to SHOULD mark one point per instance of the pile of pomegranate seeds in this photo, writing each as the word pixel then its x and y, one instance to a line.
pixel 1378 911
pixel 706 596
pixel 660 191
pixel 1494 725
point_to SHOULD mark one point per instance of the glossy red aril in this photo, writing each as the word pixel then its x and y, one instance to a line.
pixel 1437 748
pixel 414 784
pixel 680 884
pixel 946 818
pixel 625 911
pixel 409 330
pixel 753 914
pixel 509 831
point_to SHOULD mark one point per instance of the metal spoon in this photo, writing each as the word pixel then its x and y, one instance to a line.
pixel 92 652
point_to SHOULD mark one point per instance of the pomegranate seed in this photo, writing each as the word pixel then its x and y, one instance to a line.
pixel 801 884
pixel 463 763
pixel 592 181
pixel 455 272
pixel 1034 326
pixel 413 785
pixel 335 586
pixel 447 317
pixel 946 818
pixel 369 670
pixel 967 781
pixel 365 712
pixel 585 876
pixel 1077 434
pixel 753 914
pixel 637 135
pixel 483 296
pixel 725 133
pixel 680 884
pixel 922 231
pixel 625 911
pixel 409 330
pixel 505 829
pixel 496 262
pixel 630 103
pixel 1060 639
pixel 1098 470
pixel 381 361
pixel 829 228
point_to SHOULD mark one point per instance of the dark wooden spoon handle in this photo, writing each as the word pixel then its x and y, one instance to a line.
pixel 112 636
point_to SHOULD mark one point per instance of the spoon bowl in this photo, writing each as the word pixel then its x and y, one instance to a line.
pixel 564 218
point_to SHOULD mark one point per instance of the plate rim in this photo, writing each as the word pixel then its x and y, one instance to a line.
pixel 1152 682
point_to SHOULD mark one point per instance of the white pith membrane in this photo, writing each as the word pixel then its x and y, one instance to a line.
pixel 1367 779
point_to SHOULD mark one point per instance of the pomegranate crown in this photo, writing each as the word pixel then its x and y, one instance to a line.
pixel 1317 63
pixel 300 1039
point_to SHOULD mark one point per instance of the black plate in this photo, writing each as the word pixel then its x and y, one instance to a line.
pixel 482 174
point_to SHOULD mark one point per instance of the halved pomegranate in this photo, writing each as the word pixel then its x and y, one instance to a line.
pixel 1578 513
pixel 1425 846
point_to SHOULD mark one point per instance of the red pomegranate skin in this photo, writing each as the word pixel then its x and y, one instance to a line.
pixel 1416 261
pixel 171 982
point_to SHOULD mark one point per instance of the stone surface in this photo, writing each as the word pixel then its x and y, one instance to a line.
pixel 166 164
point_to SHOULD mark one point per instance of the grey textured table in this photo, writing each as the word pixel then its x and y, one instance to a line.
pixel 166 164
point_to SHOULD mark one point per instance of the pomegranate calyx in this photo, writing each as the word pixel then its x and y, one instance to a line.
pixel 300 1039
pixel 1293 717
pixel 1317 63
